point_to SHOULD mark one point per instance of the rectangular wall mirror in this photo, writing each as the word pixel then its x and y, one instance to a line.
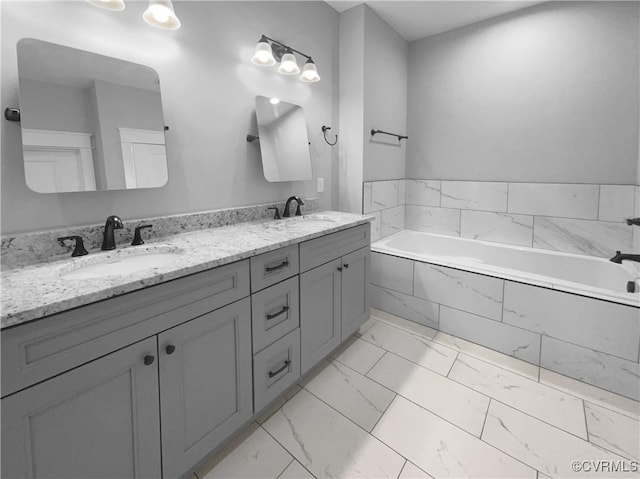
pixel 89 122
pixel 284 143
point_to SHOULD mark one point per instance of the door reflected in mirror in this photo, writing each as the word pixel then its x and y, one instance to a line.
pixel 284 143
pixel 89 122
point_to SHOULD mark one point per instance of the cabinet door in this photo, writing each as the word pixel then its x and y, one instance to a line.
pixel 356 268
pixel 205 384
pixel 320 330
pixel 99 420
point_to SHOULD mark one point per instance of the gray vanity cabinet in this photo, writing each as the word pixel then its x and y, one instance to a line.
pixel 205 384
pixel 356 271
pixel 320 331
pixel 98 420
pixel 334 297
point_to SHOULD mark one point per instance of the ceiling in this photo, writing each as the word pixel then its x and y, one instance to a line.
pixel 418 19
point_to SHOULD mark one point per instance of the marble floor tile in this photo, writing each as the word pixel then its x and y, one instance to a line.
pixel 409 326
pixel 278 403
pixel 448 399
pixel 441 449
pixel 328 444
pixel 259 456
pixel 591 393
pixel 365 327
pixel 412 347
pixel 538 444
pixel 411 471
pixel 613 431
pixel 359 355
pixel 505 361
pixel 350 393
pixel 546 403
pixel 296 471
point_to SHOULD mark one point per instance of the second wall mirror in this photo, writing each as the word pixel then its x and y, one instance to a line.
pixel 284 142
pixel 89 122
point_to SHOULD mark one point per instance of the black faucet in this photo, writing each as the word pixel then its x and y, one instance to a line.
pixel 620 257
pixel 79 249
pixel 633 221
pixel 108 241
pixel 286 206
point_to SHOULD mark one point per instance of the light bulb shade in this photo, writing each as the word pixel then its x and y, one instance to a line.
pixel 288 64
pixel 310 72
pixel 263 55
pixel 160 14
pixel 113 5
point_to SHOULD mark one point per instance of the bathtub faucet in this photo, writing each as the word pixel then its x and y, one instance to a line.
pixel 620 257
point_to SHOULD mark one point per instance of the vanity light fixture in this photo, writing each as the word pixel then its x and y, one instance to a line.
pixel 269 51
pixel 114 5
pixel 263 55
pixel 160 14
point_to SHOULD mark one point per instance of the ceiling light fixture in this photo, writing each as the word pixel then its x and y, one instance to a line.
pixel 113 5
pixel 269 51
pixel 160 14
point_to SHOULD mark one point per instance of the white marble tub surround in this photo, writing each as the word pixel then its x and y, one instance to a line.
pixel 578 218
pixel 36 291
pixel 558 310
pixel 22 249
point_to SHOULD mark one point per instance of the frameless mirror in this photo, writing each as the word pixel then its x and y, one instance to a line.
pixel 284 143
pixel 89 122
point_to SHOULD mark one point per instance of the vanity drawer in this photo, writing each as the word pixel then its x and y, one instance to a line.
pixel 275 369
pixel 274 312
pixel 326 248
pixel 274 266
pixel 38 350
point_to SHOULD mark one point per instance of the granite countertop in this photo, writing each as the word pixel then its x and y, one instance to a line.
pixel 37 291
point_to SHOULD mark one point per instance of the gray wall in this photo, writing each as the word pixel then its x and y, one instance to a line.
pixel 373 94
pixel 385 99
pixel 547 94
pixel 208 88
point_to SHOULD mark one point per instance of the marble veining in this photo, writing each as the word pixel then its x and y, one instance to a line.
pixel 38 290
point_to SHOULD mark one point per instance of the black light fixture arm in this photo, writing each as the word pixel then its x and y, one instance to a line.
pixel 286 47
pixel 400 137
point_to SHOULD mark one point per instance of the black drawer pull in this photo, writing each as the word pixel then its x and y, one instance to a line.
pixel 346 266
pixel 275 315
pixel 284 366
pixel 148 360
pixel 284 264
pixel 170 349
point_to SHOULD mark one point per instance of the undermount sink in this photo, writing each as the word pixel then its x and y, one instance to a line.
pixel 122 262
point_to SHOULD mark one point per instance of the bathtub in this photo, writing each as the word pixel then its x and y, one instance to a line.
pixel 574 273
pixel 565 312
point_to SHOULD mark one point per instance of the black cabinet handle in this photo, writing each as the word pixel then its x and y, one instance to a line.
pixel 284 366
pixel 346 266
pixel 284 264
pixel 170 349
pixel 339 268
pixel 148 360
pixel 275 315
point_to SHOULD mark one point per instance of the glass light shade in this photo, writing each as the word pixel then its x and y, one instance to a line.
pixel 113 5
pixel 310 72
pixel 160 14
pixel 288 65
pixel 263 55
